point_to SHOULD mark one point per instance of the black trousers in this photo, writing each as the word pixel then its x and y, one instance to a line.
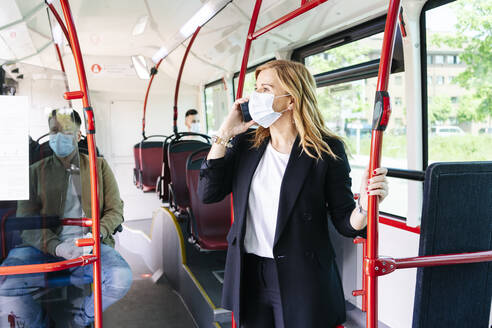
pixel 261 306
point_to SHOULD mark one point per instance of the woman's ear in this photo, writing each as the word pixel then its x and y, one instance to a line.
pixel 79 136
pixel 291 103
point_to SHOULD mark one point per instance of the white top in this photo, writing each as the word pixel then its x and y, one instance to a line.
pixel 261 217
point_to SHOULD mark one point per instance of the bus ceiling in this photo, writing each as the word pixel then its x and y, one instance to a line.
pixel 219 41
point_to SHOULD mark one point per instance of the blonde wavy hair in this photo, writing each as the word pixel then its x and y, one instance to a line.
pixel 308 120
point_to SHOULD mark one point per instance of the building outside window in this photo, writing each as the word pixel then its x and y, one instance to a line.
pixel 438 59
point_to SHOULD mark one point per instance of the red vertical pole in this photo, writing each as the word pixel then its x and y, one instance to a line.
pixel 247 48
pixel 240 85
pixel 153 73
pixel 90 126
pixel 380 119
pixel 178 81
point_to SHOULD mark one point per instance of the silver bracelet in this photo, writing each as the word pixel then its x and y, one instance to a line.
pixel 361 210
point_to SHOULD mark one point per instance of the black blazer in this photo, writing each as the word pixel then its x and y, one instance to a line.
pixel 310 285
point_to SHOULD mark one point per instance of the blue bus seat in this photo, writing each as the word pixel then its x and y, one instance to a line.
pixel 456 218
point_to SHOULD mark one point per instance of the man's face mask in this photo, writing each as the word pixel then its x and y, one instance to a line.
pixel 62 144
pixel 261 108
pixel 195 127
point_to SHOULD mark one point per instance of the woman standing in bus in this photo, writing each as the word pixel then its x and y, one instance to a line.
pixel 285 178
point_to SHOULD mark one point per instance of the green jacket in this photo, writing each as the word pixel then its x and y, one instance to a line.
pixel 48 187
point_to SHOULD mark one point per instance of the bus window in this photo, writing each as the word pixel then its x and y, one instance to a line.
pixel 459 102
pixel 215 105
pixel 353 53
pixel 348 108
pixel 249 83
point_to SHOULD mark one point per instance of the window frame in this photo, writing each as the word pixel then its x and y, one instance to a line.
pixel 355 72
pixel 431 4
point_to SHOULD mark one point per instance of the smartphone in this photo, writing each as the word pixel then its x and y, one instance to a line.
pixel 245 110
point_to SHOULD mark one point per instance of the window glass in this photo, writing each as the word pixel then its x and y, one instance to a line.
pixel 347 109
pixel 215 106
pixel 459 104
pixel 249 84
pixel 439 59
pixel 353 53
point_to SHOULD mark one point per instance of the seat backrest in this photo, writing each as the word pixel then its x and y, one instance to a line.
pixel 151 163
pixel 456 218
pixel 212 221
pixel 178 153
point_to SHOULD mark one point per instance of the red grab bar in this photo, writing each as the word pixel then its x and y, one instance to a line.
pixel 91 143
pixel 381 115
pixel 48 267
pixel 178 81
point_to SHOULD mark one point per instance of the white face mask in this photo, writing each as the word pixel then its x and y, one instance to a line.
pixel 261 108
pixel 195 127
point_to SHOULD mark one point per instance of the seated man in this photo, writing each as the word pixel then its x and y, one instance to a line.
pixel 56 190
pixel 192 121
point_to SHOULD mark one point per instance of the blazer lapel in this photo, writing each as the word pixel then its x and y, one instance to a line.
pixel 295 174
pixel 247 167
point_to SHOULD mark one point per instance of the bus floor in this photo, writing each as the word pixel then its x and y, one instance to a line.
pixel 147 304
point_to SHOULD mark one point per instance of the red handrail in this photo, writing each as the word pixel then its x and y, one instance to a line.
pixel 305 6
pixel 397 224
pixel 48 267
pixel 446 259
pixel 178 81
pixel 247 48
pixel 153 73
pixel 381 116
pixel 91 143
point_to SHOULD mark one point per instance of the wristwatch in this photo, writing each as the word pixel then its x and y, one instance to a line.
pixel 221 141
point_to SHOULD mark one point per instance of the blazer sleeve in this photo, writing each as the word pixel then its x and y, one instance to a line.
pixel 216 175
pixel 339 197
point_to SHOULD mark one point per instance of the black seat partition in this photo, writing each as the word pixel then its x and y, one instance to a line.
pixel 210 223
pixel 456 218
pixel 163 181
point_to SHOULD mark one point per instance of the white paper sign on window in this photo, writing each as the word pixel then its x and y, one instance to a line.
pixel 14 148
